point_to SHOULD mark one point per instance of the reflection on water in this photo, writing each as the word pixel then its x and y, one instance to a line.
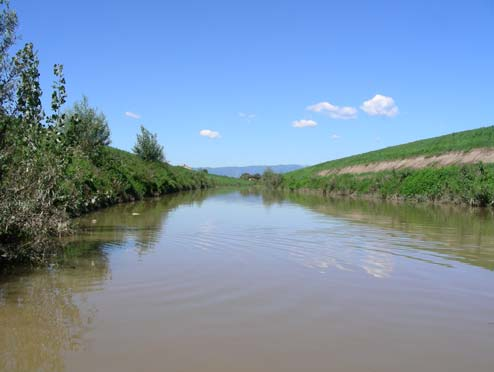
pixel 460 234
pixel 141 222
pixel 226 280
pixel 45 312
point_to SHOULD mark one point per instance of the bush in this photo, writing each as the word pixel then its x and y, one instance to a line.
pixel 31 201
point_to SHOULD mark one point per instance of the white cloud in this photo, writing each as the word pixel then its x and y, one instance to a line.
pixel 380 105
pixel 209 133
pixel 132 115
pixel 335 112
pixel 303 123
pixel 335 136
pixel 246 115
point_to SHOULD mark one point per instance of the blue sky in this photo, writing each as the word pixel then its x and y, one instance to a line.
pixel 258 75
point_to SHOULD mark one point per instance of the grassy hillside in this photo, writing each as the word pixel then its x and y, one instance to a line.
pixel 461 141
pixel 123 176
pixel 118 176
pixel 471 184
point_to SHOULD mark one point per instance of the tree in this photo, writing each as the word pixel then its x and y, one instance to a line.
pixel 28 107
pixel 32 159
pixel 32 202
pixel 86 128
pixel 271 179
pixel 147 146
pixel 8 25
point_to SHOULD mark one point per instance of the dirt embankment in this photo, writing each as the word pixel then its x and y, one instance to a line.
pixel 450 158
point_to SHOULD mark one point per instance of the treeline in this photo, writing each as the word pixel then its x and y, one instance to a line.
pixel 250 177
pixel 59 164
pixel 268 179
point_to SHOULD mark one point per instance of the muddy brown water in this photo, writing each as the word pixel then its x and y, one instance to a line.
pixel 242 281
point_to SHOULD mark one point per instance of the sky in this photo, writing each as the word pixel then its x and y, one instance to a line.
pixel 226 83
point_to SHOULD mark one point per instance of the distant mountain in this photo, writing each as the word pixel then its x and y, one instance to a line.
pixel 252 169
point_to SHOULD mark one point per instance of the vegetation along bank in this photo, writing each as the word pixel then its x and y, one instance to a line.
pixel 59 164
pixel 455 168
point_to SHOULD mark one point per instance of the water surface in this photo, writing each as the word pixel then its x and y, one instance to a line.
pixel 241 281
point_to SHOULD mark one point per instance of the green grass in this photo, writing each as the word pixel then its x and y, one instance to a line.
pixel 121 176
pixel 462 141
pixel 471 184
pixel 88 184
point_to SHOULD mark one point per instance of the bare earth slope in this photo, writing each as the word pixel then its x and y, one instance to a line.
pixel 485 155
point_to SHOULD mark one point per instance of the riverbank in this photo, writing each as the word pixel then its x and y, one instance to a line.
pixel 123 176
pixel 457 168
pixel 117 177
pixel 467 184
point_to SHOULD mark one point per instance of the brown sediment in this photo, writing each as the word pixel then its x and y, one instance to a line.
pixel 485 155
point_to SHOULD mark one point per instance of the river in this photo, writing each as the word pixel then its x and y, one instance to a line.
pixel 228 280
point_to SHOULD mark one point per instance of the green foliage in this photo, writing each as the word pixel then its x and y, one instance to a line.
pixel 30 197
pixel 28 107
pixel 123 176
pixel 271 179
pixel 468 184
pixel 462 141
pixel 147 146
pixel 250 177
pixel 8 25
pixel 32 204
pixel 58 96
pixel 55 166
pixel 86 129
pixel 224 181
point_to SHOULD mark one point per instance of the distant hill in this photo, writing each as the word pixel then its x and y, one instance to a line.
pixel 252 169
